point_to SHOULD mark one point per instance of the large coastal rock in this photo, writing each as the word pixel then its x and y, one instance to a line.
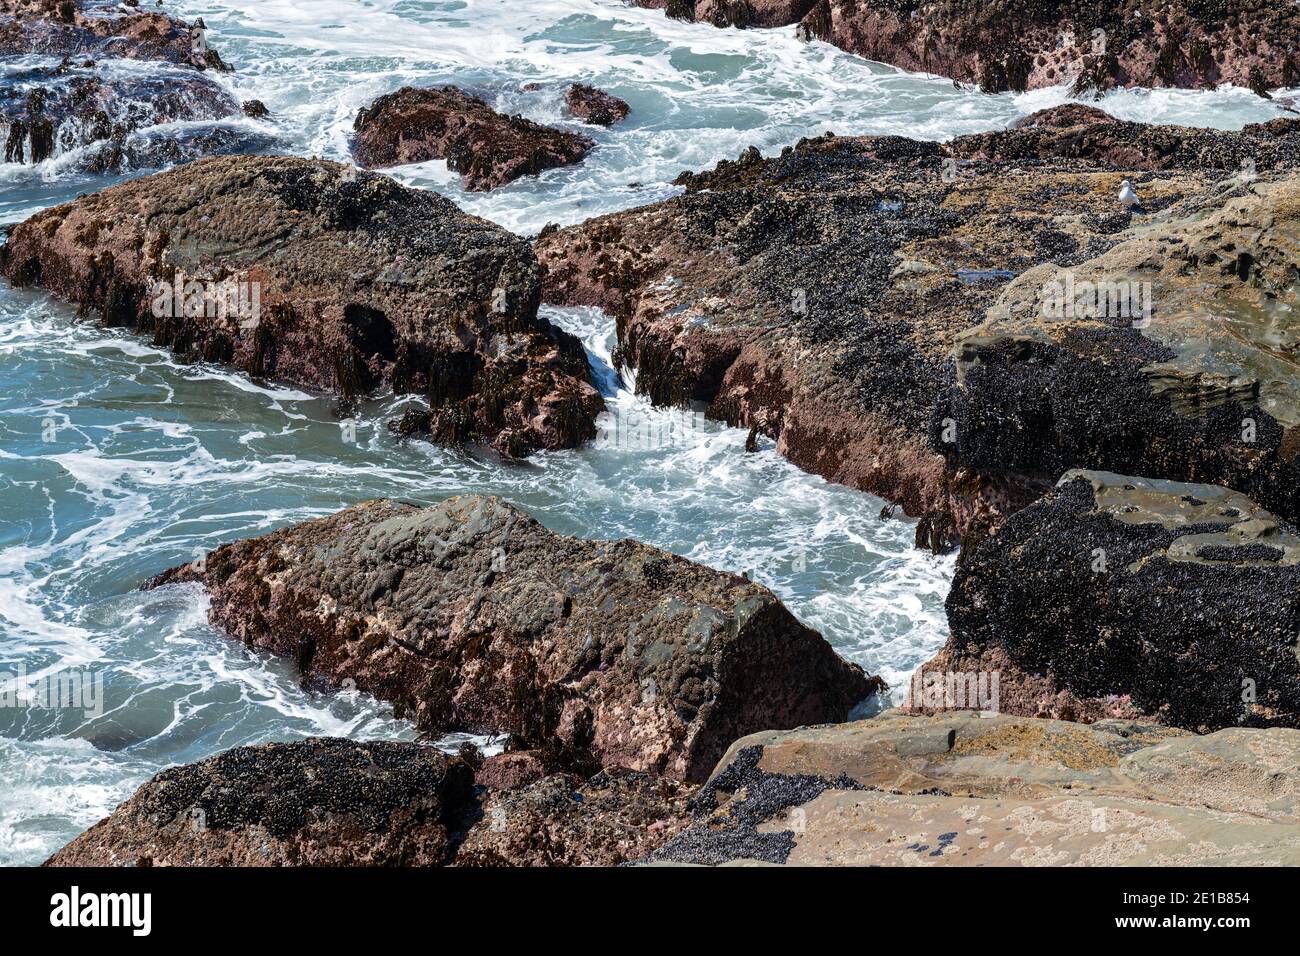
pixel 961 790
pixel 1021 46
pixel 99 28
pixel 471 615
pixel 824 296
pixel 1075 131
pixel 320 802
pixel 345 281
pixel 1118 596
pixel 487 148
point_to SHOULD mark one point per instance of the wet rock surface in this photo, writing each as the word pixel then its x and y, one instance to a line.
pixel 346 281
pixel 111 79
pixel 1120 596
pixel 97 28
pixel 319 802
pixel 49 111
pixel 1019 46
pixel 824 296
pixel 595 106
pixel 958 789
pixel 488 149
pixel 471 615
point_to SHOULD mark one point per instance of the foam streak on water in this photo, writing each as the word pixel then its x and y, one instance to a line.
pixel 116 462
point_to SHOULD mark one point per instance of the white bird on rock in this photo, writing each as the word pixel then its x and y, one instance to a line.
pixel 1128 195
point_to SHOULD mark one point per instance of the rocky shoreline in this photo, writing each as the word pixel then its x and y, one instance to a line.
pixel 1017 47
pixel 891 353
pixel 1066 347
pixel 347 282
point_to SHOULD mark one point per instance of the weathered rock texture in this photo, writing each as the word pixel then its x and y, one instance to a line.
pixel 333 802
pixel 595 106
pixel 1010 45
pixel 825 296
pixel 320 802
pixel 471 615
pixel 360 282
pixel 97 28
pixel 615 817
pixel 487 148
pixel 1119 596
pixel 72 106
pixel 961 790
pixel 1204 388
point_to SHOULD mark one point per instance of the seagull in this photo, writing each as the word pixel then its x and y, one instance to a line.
pixel 1128 195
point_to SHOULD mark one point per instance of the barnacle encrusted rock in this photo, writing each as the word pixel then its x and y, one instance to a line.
pixel 345 281
pixel 595 106
pixel 99 28
pixel 317 802
pixel 471 615
pixel 617 816
pixel 1131 597
pixel 108 115
pixel 1171 355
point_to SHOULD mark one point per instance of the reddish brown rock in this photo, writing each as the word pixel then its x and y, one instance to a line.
pixel 510 771
pixel 595 106
pixel 1027 46
pixel 319 802
pixel 470 615
pixel 487 148
pixel 615 817
pixel 94 28
pixel 345 282
pixel 333 802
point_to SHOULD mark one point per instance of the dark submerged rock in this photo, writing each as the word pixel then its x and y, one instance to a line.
pixel 52 110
